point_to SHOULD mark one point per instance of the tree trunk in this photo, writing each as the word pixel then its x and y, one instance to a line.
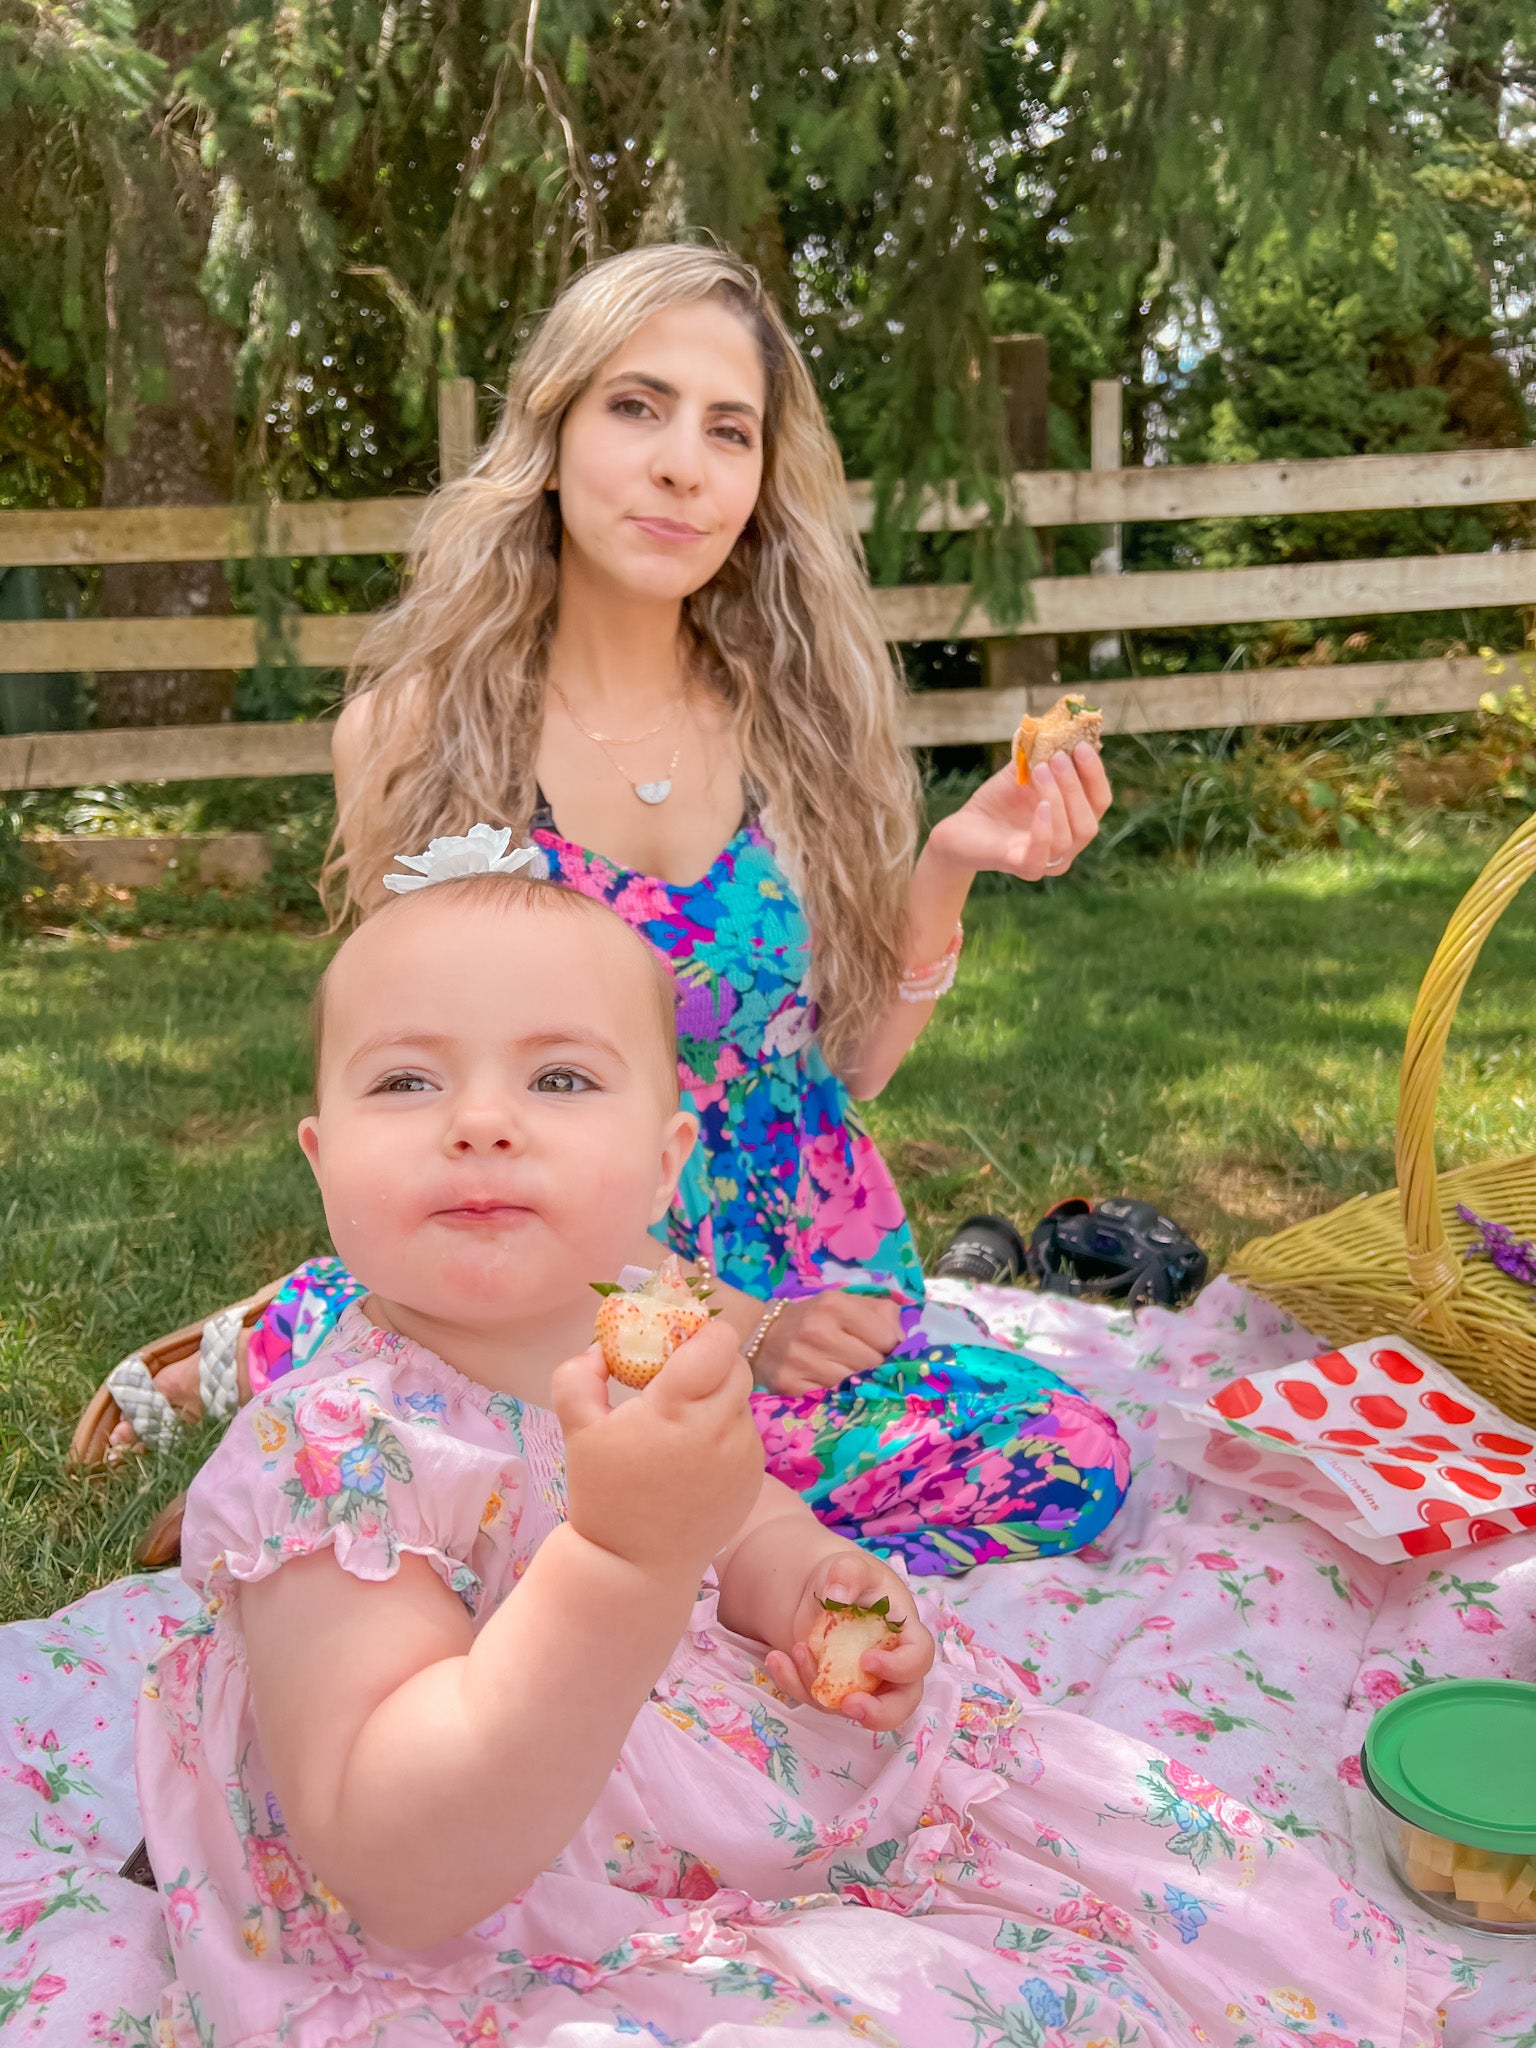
pixel 170 441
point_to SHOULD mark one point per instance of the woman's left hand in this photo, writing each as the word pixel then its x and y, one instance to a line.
pixel 1032 829
pixel 854 1578
pixel 823 1339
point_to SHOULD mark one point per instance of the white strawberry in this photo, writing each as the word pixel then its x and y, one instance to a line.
pixel 639 1328
pixel 841 1635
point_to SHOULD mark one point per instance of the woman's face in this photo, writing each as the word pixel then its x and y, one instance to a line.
pixel 661 457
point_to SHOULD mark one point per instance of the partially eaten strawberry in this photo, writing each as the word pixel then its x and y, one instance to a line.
pixel 640 1327
pixel 841 1635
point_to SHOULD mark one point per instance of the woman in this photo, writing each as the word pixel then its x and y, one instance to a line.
pixel 640 633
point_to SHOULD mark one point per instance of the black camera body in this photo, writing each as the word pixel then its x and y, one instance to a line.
pixel 1120 1250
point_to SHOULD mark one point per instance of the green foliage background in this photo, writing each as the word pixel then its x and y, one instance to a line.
pixel 1295 229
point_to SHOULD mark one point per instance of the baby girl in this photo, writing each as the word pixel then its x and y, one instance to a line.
pixel 496 1719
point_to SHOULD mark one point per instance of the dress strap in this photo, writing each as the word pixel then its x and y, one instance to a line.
pixel 543 819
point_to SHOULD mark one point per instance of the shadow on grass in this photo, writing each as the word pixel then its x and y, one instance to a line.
pixel 1227 1043
pixel 148 1096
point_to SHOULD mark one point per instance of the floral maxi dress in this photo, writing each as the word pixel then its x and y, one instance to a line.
pixel 994 1872
pixel 954 1451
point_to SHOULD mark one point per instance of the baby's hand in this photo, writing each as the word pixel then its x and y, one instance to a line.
pixel 854 1579
pixel 666 1478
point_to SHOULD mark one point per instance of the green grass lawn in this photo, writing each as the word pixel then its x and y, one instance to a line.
pixel 1224 1041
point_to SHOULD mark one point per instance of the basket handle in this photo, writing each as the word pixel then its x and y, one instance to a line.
pixel 1431 1269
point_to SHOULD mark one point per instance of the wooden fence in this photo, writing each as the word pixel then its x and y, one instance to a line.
pixel 1100 604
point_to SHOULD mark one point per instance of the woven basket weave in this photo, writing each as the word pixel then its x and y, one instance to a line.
pixel 1392 1263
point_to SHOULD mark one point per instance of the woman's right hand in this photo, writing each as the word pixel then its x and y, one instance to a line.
pixel 664 1479
pixel 825 1339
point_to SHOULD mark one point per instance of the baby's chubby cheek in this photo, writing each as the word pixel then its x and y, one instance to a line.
pixel 603 1211
pixel 371 1223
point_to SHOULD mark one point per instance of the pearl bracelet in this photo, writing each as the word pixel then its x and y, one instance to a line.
pixel 927 984
pixel 755 1343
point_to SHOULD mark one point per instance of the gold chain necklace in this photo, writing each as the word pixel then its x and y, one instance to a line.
pixel 655 792
pixel 604 739
pixel 651 792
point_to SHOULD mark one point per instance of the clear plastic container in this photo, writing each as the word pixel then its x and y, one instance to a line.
pixel 1451 1770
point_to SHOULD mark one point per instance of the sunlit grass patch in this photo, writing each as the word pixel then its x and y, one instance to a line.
pixel 1224 1041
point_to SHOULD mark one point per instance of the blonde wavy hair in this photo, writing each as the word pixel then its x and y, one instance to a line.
pixel 786 632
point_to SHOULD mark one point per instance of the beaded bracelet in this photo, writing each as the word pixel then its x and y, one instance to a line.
pixel 927 984
pixel 755 1343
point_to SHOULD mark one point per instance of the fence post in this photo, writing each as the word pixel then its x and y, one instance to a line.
pixel 1024 371
pixel 456 437
pixel 1106 441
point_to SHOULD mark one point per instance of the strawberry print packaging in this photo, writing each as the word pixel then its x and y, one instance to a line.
pixel 1375 1443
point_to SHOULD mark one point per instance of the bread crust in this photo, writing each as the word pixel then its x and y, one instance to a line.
pixel 1069 722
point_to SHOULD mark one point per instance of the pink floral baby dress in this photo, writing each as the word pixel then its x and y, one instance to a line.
pixel 995 1872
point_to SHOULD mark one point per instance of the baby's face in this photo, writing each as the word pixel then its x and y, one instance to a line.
pixel 494 1129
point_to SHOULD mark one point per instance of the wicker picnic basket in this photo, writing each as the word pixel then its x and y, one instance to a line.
pixel 1393 1263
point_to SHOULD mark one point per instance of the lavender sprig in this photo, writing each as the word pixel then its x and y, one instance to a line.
pixel 1513 1255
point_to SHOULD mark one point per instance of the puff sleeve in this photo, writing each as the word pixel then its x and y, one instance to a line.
pixel 350 1462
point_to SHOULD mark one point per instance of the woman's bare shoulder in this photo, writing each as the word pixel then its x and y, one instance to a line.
pixel 365 722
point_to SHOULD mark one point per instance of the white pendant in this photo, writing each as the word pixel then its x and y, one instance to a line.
pixel 653 792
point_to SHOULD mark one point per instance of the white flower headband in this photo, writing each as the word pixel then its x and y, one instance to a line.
pixel 482 850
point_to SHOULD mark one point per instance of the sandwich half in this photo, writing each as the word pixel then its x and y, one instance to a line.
pixel 1067 724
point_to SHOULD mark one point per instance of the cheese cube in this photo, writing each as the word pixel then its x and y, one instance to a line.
pixel 1424 1879
pixel 1479 1887
pixel 1433 1851
pixel 1522 1887
pixel 1509 1916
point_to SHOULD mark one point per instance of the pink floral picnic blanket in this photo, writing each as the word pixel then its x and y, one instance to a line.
pixel 1232 1634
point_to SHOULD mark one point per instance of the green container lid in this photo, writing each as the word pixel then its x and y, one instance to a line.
pixel 1459 1758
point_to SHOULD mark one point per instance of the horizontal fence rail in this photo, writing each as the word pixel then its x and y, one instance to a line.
pixel 1153 599
pixel 171 753
pixel 1149 601
pixel 930 718
pixel 1191 703
pixel 1103 604
pixel 1240 490
pixel 1048 497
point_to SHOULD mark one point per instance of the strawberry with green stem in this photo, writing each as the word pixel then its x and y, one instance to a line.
pixel 842 1634
pixel 639 1328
